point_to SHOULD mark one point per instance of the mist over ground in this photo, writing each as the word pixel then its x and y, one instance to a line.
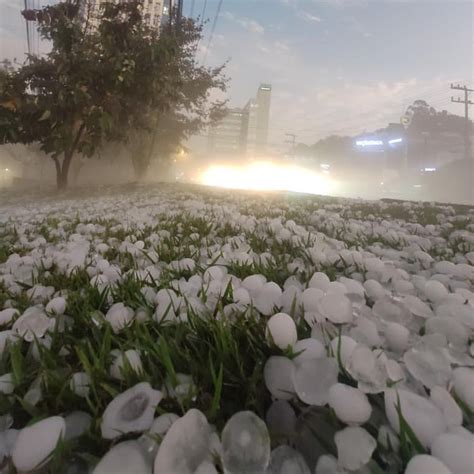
pixel 353 177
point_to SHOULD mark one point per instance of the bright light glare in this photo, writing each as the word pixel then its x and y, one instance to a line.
pixel 267 176
pixel 369 142
pixel 430 169
pixel 395 140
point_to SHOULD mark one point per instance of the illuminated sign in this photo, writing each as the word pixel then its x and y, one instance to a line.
pixel 377 142
pixel 369 142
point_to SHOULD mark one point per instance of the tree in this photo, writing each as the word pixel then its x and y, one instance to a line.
pixel 56 100
pixel 95 85
pixel 302 150
pixel 334 148
pixel 425 119
pixel 190 109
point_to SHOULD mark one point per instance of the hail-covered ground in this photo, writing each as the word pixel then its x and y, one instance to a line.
pixel 179 330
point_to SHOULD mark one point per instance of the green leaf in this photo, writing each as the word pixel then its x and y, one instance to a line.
pixel 17 363
pixel 217 381
pixel 84 361
pixel 45 116
pixel 165 357
pixel 409 442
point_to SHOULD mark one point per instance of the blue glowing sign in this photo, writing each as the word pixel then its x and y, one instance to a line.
pixel 364 143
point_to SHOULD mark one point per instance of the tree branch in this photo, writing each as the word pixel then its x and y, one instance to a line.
pixel 78 137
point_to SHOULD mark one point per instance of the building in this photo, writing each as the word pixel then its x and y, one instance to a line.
pixel 228 137
pixel 244 130
pixel 394 147
pixel 263 116
pixel 154 11
pixel 258 112
pixel 251 113
pixel 168 6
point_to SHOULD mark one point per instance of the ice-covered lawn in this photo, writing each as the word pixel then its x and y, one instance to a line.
pixel 190 330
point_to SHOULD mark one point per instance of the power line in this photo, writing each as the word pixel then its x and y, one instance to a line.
pixel 292 142
pixel 467 125
pixel 32 35
pixel 35 35
pixel 404 98
pixel 203 12
pixel 467 128
pixel 201 22
pixel 330 119
pixel 434 98
pixel 211 36
pixel 28 39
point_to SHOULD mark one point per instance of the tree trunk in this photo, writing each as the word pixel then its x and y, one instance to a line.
pixel 141 156
pixel 61 182
pixel 57 165
pixel 140 171
pixel 62 171
pixel 146 146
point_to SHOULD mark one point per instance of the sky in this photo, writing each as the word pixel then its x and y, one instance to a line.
pixel 342 66
pixel 336 66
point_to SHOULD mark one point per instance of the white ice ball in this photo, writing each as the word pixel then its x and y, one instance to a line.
pixel 36 442
pixel 281 330
pixel 350 404
pixel 56 306
pixel 426 464
pixel 463 378
pixel 354 447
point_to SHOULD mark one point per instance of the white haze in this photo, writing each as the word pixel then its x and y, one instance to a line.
pixel 22 168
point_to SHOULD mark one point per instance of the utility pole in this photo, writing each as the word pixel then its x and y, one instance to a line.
pixel 467 103
pixel 292 141
pixel 467 129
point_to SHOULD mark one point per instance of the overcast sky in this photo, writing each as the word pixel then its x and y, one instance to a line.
pixel 342 66
pixel 336 66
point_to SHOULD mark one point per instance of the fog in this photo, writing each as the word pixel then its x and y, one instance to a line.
pixel 25 169
pixel 349 98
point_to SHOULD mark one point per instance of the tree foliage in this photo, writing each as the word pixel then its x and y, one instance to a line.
pixel 425 119
pixel 103 84
pixel 191 109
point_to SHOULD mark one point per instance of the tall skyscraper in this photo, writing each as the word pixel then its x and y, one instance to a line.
pixel 258 112
pixel 263 116
pixel 251 113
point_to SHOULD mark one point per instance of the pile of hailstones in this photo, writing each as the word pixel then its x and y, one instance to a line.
pixel 404 335
pixel 379 347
